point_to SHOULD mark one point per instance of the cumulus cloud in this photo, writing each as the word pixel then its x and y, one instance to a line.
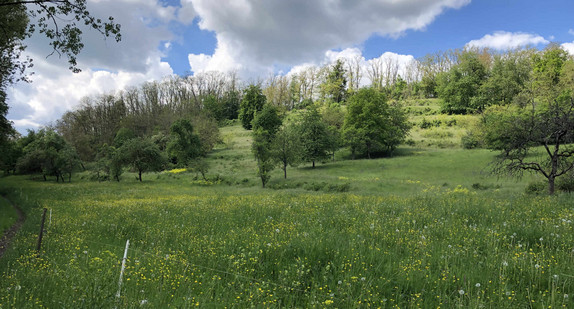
pixel 107 66
pixel 569 47
pixel 268 33
pixel 502 40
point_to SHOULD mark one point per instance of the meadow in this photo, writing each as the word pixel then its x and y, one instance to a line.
pixel 429 227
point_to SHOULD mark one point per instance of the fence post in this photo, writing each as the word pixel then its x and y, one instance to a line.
pixel 41 232
pixel 122 270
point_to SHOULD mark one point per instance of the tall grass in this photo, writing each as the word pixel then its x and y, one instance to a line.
pixel 208 247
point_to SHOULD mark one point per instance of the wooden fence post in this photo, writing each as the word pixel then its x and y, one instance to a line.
pixel 41 231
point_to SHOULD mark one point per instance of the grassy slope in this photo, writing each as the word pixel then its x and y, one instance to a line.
pixel 8 215
pixel 411 232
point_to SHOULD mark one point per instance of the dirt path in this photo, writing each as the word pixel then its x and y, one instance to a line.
pixel 11 232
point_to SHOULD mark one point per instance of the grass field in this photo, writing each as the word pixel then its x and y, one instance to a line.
pixel 8 215
pixel 426 228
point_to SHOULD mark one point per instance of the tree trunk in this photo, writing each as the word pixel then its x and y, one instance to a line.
pixel 285 170
pixel 313 163
pixel 140 176
pixel 551 185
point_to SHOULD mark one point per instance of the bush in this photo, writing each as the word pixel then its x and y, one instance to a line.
pixel 470 141
pixel 565 184
pixel 539 187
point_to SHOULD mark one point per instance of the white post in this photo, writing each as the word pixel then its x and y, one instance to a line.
pixel 123 268
pixel 50 218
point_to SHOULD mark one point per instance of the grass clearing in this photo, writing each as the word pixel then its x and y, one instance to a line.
pixel 210 245
pixel 428 227
pixel 8 215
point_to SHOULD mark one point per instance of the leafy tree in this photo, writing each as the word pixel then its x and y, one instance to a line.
pixel 48 153
pixel 517 133
pixel 9 154
pixel 123 135
pixel 265 126
pixel 371 124
pixel 509 76
pixel 459 87
pixel 13 23
pixel 142 155
pixel 60 21
pixel 335 85
pixel 108 164
pixel 184 145
pixel 287 147
pixel 252 102
pixel 314 136
pixel 231 103
pixel 544 119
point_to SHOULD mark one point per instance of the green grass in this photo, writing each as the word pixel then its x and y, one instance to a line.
pixel 217 245
pixel 428 227
pixel 8 215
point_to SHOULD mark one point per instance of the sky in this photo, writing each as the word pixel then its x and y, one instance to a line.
pixel 257 38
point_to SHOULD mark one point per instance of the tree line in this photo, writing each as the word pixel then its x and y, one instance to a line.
pixel 308 116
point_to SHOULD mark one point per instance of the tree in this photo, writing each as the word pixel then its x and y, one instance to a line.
pixel 509 76
pixel 459 87
pixel 265 126
pixel 13 21
pixel 544 120
pixel 142 155
pixel 334 87
pixel 60 21
pixel 252 102
pixel 314 136
pixel 287 147
pixel 517 132
pixel 184 145
pixel 371 124
pixel 48 153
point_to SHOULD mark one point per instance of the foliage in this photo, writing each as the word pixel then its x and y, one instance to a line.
pixel 265 125
pixel 48 153
pixel 371 124
pixel 517 132
pixel 142 155
pixel 334 87
pixel 252 102
pixel 184 145
pixel 459 87
pixel 13 21
pixel 287 147
pixel 508 77
pixel 314 136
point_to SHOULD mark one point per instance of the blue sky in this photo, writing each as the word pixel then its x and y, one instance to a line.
pixel 257 38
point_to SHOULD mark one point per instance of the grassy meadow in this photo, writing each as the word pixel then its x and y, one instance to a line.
pixel 426 228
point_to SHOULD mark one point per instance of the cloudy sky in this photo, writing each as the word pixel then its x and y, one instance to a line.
pixel 260 37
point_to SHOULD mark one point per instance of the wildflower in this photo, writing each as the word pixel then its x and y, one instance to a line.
pixel 504 263
pixel 461 292
pixel 536 266
pixel 340 282
pixel 143 302
pixel 276 230
pixel 565 296
pixel 477 285
pixel 363 278
pixel 328 302
pixel 17 288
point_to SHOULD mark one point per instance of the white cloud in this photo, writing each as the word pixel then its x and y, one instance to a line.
pixel 569 47
pixel 571 31
pixel 268 33
pixel 107 66
pixel 502 40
